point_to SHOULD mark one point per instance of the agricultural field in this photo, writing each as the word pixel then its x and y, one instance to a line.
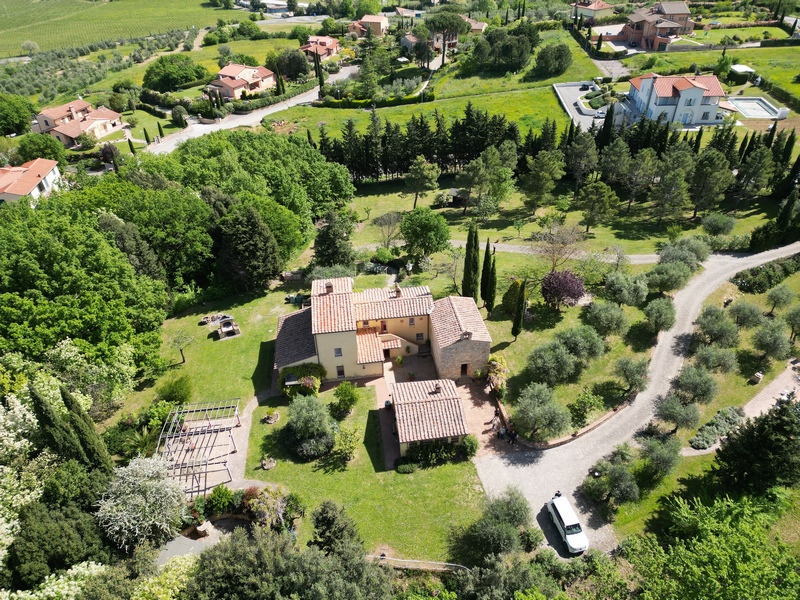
pixel 69 23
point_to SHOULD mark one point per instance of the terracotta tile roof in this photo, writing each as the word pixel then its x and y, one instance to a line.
pixel 636 16
pixel 322 40
pixel 228 82
pixel 670 86
pixel 411 38
pixel 232 70
pixel 74 128
pixel 665 24
pixel 59 112
pixel 373 19
pixel 424 414
pixel 454 318
pixel 332 313
pixel 399 308
pixel 316 48
pixel 341 285
pixel 392 343
pixel 405 12
pixel 22 180
pixel 294 342
pixel 102 113
pixel 370 349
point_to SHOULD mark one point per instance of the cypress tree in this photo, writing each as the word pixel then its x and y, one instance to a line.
pixel 788 210
pixel 516 328
pixel 310 139
pixel 599 44
pixel 93 446
pixel 58 437
pixel 506 23
pixel 789 182
pixel 743 146
pixel 491 287
pixel 755 142
pixel 146 136
pixel 787 149
pixel 486 272
pixel 160 129
pixel 470 282
pixel 131 146
pixel 697 139
pixel 771 135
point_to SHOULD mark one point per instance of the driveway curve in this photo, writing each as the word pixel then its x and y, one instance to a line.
pixel 170 142
pixel 540 473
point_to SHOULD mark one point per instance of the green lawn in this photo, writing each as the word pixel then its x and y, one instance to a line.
pixel 209 55
pixel 451 85
pixel 529 108
pixel 70 23
pixel 637 232
pixel 715 36
pixel 404 515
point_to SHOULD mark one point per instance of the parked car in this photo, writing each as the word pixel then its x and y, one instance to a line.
pixel 566 521
pixel 600 114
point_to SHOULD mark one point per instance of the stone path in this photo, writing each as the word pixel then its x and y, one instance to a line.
pixel 539 474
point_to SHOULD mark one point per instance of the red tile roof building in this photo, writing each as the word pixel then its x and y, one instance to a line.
pixel 234 80
pixel 656 27
pixel 68 121
pixel 692 100
pixel 36 178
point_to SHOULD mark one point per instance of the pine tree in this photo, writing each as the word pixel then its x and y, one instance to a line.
pixel 470 283
pixel 516 328
pixel 160 129
pixel 92 444
pixel 58 437
pixel 486 272
pixel 146 137
pixel 771 135
pixel 491 287
pixel 131 146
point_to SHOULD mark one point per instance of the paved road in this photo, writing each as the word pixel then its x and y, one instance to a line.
pixel 540 473
pixel 170 142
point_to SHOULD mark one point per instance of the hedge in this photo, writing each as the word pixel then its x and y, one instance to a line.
pixel 780 43
pixel 724 422
pixel 760 279
pixel 153 110
pixel 245 106
pixel 166 100
pixel 780 94
pixel 329 102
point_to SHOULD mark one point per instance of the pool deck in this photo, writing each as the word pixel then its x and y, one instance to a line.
pixel 754 107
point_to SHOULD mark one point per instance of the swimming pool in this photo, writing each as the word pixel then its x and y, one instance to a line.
pixel 754 108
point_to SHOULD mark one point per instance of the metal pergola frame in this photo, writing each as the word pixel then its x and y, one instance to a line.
pixel 197 439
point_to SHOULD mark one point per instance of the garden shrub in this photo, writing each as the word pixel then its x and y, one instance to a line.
pixel 407 468
pixel 498 530
pixel 716 224
pixel 497 375
pixel 430 455
pixel 583 342
pixel 552 363
pixel 720 425
pixel 469 446
pixel 199 508
pixel 176 391
pixel 346 395
pixel 762 278
pixel 220 500
pixel 510 297
pixel 269 508
pixel 311 430
pixel 316 371
pixel 382 256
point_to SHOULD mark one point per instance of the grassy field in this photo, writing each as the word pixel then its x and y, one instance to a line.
pixel 529 108
pixel 715 36
pixel 778 64
pixel 404 515
pixel 451 85
pixel 636 233
pixel 69 23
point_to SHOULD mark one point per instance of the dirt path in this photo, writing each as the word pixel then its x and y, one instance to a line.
pixel 612 68
pixel 540 473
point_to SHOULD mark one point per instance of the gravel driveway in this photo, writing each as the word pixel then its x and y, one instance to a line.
pixel 540 473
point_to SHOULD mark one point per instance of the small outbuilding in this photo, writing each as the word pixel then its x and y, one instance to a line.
pixel 460 341
pixel 427 412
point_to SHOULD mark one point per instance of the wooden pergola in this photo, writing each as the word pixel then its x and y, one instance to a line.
pixel 196 441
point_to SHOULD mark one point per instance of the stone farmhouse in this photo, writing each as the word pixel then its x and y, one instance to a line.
pixel 686 100
pixel 656 27
pixel 233 80
pixel 68 121
pixel 592 9
pixel 475 26
pixel 377 23
pixel 351 334
pixel 36 178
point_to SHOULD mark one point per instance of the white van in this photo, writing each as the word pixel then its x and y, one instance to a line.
pixel 566 521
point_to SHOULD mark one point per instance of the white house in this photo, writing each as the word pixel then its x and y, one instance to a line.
pixel 36 178
pixel 687 100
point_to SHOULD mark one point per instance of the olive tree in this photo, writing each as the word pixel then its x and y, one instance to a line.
pixel 142 504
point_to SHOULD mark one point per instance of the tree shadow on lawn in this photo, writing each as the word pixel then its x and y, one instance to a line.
pixel 543 318
pixel 373 441
pixel 750 363
pixel 703 487
pixel 262 375
pixel 612 393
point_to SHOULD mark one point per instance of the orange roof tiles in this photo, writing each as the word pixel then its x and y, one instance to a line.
pixel 423 413
pixel 670 86
pixel 59 112
pixel 332 313
pixel 368 343
pixel 340 285
pixel 21 181
pixel 455 316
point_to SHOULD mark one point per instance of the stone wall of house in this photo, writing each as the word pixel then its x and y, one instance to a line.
pixel 472 352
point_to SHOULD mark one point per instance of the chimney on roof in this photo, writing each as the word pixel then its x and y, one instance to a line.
pixel 328 287
pixel 72 112
pixel 467 335
pixel 438 388
pixel 397 292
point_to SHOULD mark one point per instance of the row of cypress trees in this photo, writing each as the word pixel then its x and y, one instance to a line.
pixel 483 282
